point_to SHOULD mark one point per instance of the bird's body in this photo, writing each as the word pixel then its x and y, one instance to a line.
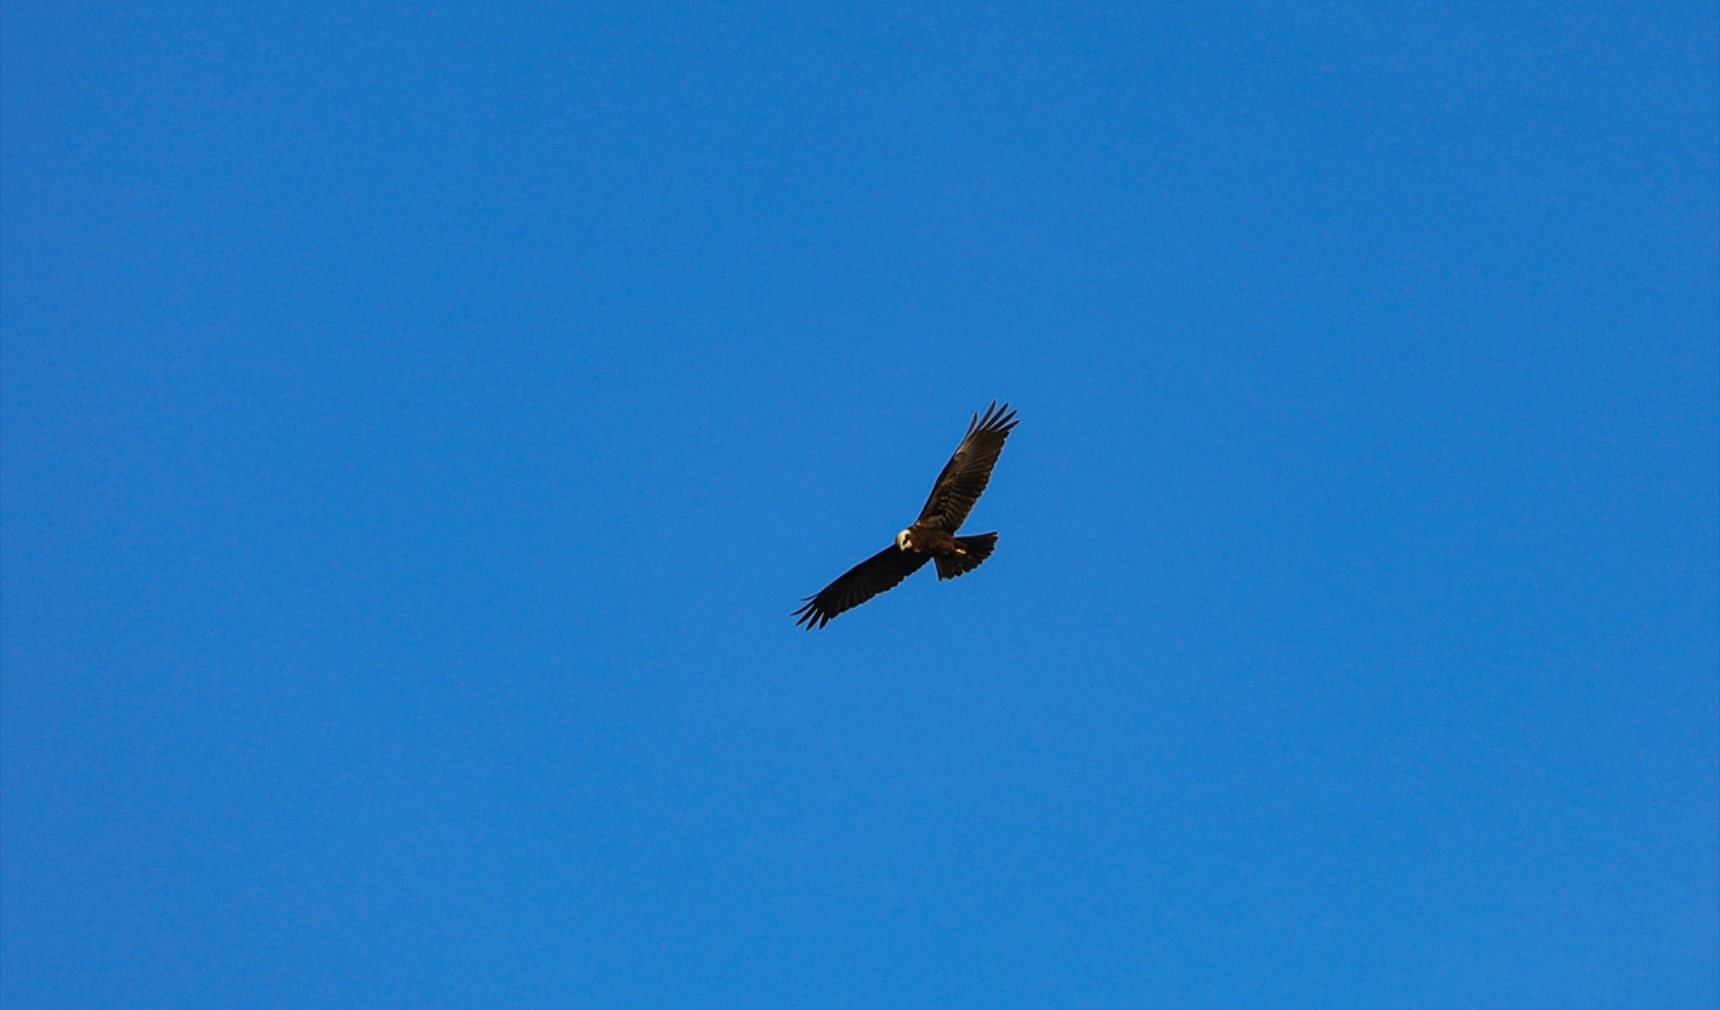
pixel 932 535
pixel 923 539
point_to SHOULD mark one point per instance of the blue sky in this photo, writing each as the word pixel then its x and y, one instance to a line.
pixel 419 422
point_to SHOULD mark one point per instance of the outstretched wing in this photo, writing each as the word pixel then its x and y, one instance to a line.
pixel 865 580
pixel 965 476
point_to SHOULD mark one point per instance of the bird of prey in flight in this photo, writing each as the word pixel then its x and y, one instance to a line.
pixel 932 537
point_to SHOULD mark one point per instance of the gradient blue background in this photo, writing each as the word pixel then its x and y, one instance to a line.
pixel 420 420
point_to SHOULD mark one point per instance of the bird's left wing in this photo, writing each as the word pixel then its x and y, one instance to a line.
pixel 969 470
pixel 865 580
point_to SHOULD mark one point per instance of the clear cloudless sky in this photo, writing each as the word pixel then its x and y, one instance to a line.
pixel 420 419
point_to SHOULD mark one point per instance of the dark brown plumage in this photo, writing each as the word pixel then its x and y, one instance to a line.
pixel 932 536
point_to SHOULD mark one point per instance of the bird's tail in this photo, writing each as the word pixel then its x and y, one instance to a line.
pixel 976 549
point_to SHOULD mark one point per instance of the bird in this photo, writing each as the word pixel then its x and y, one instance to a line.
pixel 932 536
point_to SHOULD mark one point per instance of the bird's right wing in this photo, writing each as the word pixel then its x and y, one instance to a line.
pixel 969 470
pixel 865 580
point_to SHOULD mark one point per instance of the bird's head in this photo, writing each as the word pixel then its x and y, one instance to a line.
pixel 905 540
